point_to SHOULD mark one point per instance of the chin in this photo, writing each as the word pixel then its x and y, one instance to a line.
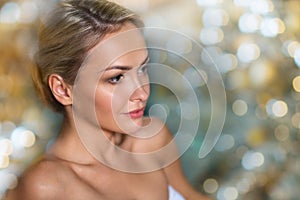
pixel 131 126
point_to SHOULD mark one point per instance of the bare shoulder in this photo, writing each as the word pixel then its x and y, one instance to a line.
pixel 44 180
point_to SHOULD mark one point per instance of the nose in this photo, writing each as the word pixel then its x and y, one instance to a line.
pixel 141 93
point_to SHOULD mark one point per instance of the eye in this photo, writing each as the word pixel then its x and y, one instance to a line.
pixel 116 79
pixel 143 69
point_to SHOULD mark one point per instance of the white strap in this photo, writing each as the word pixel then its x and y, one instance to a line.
pixel 174 195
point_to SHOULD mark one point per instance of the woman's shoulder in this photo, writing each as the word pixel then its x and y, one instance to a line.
pixel 47 170
pixel 42 180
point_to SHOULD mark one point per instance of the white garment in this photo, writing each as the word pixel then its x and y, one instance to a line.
pixel 174 195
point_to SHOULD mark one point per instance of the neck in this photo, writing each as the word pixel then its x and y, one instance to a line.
pixel 69 147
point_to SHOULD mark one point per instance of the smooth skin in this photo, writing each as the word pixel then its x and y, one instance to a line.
pixel 69 172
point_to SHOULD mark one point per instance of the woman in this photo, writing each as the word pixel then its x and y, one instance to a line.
pixel 73 48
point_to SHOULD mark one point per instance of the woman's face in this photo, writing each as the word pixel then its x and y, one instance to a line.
pixel 123 85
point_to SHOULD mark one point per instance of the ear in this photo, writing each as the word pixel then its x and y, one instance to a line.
pixel 60 89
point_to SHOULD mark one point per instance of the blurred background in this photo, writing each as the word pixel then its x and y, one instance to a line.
pixel 256 47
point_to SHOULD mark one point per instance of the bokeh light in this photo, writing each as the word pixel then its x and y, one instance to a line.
pixel 215 17
pixel 4 161
pixel 210 36
pixel 248 52
pixel 297 57
pixel 6 147
pixel 261 74
pixel 296 83
pixel 210 185
pixel 282 132
pixel 239 107
pixel 228 193
pixel 261 6
pixel 179 44
pixel 226 62
pixel 231 193
pixel 296 120
pixel 22 137
pixel 10 13
pixel 242 3
pixel 249 22
pixel 10 180
pixel 271 27
pixel 208 3
pixel 292 47
pixel 29 12
pixel 224 143
pixel 243 185
pixel 277 108
pixel 197 78
pixel 252 160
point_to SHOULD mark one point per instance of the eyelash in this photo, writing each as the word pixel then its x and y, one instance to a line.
pixel 143 70
pixel 113 79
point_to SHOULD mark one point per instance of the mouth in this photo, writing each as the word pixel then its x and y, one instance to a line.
pixel 135 114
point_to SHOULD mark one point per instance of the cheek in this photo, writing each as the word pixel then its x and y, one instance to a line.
pixel 146 84
pixel 103 102
pixel 108 102
pixel 147 89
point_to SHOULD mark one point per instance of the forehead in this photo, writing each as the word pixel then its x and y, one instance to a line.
pixel 127 42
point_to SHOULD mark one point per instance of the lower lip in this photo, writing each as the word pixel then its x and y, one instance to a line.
pixel 136 114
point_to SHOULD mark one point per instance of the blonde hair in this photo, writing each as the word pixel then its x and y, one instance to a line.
pixel 70 31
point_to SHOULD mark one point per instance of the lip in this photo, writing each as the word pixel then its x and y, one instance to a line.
pixel 138 113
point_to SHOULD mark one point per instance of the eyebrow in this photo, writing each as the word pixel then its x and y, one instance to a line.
pixel 125 67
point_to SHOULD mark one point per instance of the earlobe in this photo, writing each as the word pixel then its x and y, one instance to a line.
pixel 60 89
